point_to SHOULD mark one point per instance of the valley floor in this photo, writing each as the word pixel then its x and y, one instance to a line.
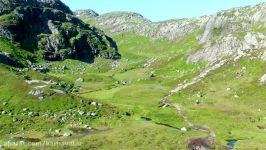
pixel 229 101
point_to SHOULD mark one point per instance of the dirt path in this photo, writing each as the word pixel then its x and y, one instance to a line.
pixel 195 143
pixel 211 134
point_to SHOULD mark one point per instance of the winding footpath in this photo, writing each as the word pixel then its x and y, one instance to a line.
pixel 201 142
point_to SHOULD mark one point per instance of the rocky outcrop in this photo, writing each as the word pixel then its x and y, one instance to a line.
pixel 5 58
pixel 118 22
pixel 49 26
pixel 225 34
pixel 229 46
pixel 88 13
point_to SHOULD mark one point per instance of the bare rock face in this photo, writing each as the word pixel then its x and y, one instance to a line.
pixel 225 34
pixel 50 27
pixel 212 53
pixel 229 46
pixel 88 13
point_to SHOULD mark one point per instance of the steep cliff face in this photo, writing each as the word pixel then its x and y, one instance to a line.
pixel 226 33
pixel 48 29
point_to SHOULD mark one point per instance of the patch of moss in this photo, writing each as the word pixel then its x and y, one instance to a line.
pixel 8 19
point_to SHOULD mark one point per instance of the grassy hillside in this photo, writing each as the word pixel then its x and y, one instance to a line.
pixel 231 99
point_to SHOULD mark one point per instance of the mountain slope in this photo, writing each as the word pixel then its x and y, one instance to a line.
pixel 226 33
pixel 49 30
pixel 207 71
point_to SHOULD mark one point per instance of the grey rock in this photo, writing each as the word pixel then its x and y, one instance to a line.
pixel 80 80
pixel 81 113
pixel 87 13
pixel 4 103
pixel 67 134
pixel 58 91
pixel 25 109
pixel 57 131
pixel 262 80
pixel 93 114
pixel 35 92
pixel 55 31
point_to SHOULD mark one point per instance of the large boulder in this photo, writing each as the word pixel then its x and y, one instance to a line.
pixel 49 29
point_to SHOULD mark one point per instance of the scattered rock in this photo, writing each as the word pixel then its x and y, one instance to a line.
pixel 41 98
pixel 81 113
pixel 25 109
pixel 67 134
pixel 152 74
pixel 197 102
pixel 94 103
pixel 88 127
pixel 35 92
pixel 80 80
pixel 93 114
pixel 58 91
pixel 57 131
pixel 262 80
pixel 15 120
pixel 236 96
pixel 183 129
pixel 4 103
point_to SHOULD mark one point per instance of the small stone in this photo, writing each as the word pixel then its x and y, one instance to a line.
pixel 81 112
pixel 30 114
pixel 4 103
pixel 93 114
pixel 199 95
pixel 88 113
pixel 4 112
pixel 236 96
pixel 25 109
pixel 183 129
pixel 67 134
pixel 40 98
pixel 15 119
pixel 94 103
pixel 57 131
pixel 197 102
pixel 80 80
pixel 262 79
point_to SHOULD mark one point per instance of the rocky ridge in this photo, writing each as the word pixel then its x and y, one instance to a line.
pixel 86 13
pixel 226 33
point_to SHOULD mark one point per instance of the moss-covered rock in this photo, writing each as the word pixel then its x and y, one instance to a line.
pixel 49 26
